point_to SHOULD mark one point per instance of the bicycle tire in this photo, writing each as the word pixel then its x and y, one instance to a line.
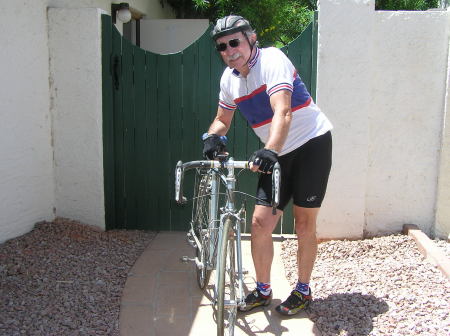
pixel 200 219
pixel 226 286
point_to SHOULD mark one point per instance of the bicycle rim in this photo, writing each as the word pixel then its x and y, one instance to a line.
pixel 226 287
pixel 200 219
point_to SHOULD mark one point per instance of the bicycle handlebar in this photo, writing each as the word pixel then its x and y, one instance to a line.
pixel 182 167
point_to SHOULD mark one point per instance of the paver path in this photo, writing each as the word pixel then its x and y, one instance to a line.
pixel 161 296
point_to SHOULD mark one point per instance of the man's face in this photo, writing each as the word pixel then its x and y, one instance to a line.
pixel 235 57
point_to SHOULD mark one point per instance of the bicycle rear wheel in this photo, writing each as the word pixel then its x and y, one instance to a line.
pixel 200 225
pixel 226 286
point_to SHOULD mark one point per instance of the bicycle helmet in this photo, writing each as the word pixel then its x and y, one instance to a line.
pixel 229 25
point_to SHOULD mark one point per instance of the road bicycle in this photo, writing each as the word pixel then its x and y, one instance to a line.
pixel 215 231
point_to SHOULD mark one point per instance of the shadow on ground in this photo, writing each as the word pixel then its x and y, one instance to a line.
pixel 346 314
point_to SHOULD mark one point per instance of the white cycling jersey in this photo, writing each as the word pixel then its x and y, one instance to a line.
pixel 270 72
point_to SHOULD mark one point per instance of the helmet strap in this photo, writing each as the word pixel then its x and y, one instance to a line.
pixel 251 47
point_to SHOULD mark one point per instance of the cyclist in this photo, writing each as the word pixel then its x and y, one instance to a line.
pixel 265 86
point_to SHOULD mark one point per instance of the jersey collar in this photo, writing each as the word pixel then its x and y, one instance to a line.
pixel 250 63
pixel 253 61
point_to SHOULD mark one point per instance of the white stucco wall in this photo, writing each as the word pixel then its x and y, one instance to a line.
pixel 408 75
pixel 26 174
pixel 442 225
pixel 170 36
pixel 381 80
pixel 76 93
pixel 152 9
pixel 343 93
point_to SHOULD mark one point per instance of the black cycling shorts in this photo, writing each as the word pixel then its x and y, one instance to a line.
pixel 304 175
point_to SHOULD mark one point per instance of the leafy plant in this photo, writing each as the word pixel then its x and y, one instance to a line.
pixel 277 22
pixel 406 4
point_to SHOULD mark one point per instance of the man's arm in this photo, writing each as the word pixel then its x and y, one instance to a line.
pixel 281 121
pixel 222 121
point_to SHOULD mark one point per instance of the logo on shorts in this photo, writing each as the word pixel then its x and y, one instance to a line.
pixel 311 198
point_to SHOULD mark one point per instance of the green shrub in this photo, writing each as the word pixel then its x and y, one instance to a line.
pixel 406 4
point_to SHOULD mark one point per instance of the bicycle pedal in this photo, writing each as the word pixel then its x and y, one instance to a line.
pixel 185 259
pixel 190 239
pixel 192 243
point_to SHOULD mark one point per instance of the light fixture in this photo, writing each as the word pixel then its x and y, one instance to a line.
pixel 121 11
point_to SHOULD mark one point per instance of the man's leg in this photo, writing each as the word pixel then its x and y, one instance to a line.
pixel 263 224
pixel 305 227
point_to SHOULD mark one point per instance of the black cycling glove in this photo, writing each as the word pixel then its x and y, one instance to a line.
pixel 213 144
pixel 265 159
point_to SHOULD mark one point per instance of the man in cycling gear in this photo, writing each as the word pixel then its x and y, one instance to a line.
pixel 271 96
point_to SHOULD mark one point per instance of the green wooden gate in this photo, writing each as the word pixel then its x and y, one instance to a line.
pixel 155 108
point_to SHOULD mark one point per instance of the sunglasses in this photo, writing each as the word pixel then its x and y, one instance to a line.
pixel 232 43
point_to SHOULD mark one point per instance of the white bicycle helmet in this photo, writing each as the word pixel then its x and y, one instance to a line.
pixel 229 25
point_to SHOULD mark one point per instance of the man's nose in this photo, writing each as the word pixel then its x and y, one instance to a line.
pixel 229 49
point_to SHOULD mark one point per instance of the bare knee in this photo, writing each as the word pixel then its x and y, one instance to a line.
pixel 260 226
pixel 305 226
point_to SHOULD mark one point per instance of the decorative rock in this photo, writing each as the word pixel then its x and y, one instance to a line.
pixel 387 288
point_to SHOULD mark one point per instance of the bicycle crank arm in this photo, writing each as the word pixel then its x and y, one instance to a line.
pixel 192 240
pixel 198 263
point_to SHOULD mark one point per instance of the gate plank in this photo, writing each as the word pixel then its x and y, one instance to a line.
pixel 191 140
pixel 129 157
pixel 118 132
pixel 176 136
pixel 162 159
pixel 205 110
pixel 108 122
pixel 151 103
pixel 141 162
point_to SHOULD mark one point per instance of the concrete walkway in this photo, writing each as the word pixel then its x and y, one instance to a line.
pixel 161 296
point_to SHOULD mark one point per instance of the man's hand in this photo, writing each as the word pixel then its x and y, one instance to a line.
pixel 213 144
pixel 263 160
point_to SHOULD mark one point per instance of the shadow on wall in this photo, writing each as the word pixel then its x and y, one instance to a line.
pixel 346 314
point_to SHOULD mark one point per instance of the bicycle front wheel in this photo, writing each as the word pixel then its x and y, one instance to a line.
pixel 226 286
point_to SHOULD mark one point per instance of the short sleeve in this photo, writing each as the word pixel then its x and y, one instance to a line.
pixel 278 72
pixel 225 98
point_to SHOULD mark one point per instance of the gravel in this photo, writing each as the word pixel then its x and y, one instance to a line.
pixel 379 286
pixel 444 246
pixel 66 278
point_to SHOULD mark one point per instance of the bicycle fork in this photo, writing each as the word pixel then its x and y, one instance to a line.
pixel 236 232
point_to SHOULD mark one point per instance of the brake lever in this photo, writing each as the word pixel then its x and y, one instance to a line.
pixel 222 157
pixel 179 198
pixel 276 183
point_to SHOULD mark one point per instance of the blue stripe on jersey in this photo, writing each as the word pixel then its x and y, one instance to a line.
pixel 256 106
pixel 256 109
pixel 300 95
